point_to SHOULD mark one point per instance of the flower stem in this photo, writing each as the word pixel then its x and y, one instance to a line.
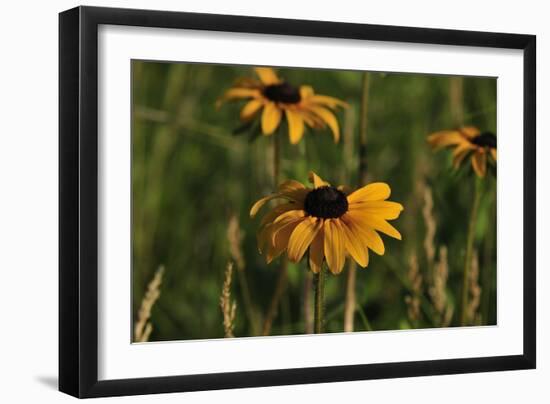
pixel 319 300
pixel 469 251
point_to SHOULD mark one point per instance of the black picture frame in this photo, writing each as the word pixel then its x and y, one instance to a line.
pixel 78 201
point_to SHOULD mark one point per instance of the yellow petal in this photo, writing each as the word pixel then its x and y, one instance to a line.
pixel 316 180
pixel 267 75
pixel 301 238
pixel 353 243
pixel 289 216
pixel 267 235
pixel 377 191
pixel 280 241
pixel 330 120
pixel 446 138
pixel 469 131
pixel 479 162
pixel 250 109
pixel 295 126
pixel 375 223
pixel 370 237
pixel 385 209
pixel 460 152
pixel 258 205
pixel 306 92
pixel 271 117
pixel 237 92
pixel 335 250
pixel 317 252
pixel 312 120
pixel 494 154
pixel 279 210
pixel 330 102
pixel 290 185
pixel 295 195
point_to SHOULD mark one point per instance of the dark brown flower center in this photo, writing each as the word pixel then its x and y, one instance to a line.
pixel 326 202
pixel 282 92
pixel 486 139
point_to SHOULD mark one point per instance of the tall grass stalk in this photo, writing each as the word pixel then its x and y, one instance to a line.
pixel 229 308
pixel 470 238
pixel 143 327
pixel 349 310
pixel 487 269
pixel 234 237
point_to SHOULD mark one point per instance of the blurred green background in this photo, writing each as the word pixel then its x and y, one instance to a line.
pixel 191 175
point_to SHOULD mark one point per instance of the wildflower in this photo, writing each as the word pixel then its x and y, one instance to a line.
pixel 328 221
pixel 272 97
pixel 468 140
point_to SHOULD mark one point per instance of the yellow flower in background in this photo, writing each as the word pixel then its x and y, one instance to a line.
pixel 468 140
pixel 273 97
pixel 328 221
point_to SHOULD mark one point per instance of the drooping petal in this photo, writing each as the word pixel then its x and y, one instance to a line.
pixel 286 195
pixel 271 117
pixel 289 216
pixel 335 249
pixel 290 185
pixel 375 223
pixel 353 243
pixel 279 210
pixel 377 191
pixel 250 109
pixel 301 238
pixel 312 120
pixel 268 233
pixel 479 163
pixel 330 102
pixel 280 240
pixel 237 92
pixel 317 251
pixel 327 116
pixel 316 180
pixel 370 237
pixel 295 126
pixel 267 75
pixel 385 209
pixel 460 152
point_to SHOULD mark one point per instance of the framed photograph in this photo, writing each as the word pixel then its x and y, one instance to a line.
pixel 251 201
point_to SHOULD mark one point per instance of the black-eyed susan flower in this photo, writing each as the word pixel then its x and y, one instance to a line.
pixel 468 140
pixel 327 221
pixel 273 97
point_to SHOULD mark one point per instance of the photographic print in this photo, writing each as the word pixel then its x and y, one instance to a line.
pixel 272 201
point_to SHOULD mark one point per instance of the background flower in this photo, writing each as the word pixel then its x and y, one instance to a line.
pixel 273 97
pixel 467 140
